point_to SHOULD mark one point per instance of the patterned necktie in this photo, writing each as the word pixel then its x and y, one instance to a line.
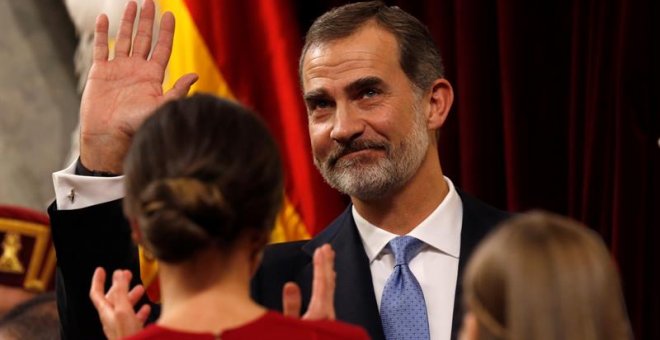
pixel 402 308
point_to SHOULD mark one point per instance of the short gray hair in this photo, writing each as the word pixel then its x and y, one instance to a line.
pixel 419 56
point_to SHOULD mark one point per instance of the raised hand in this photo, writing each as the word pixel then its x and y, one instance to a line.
pixel 321 304
pixel 116 307
pixel 121 93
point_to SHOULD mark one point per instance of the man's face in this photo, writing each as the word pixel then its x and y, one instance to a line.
pixel 367 121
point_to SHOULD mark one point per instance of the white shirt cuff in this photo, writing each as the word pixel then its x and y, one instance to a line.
pixel 76 192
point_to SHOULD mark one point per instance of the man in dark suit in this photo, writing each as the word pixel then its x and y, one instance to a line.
pixel 375 94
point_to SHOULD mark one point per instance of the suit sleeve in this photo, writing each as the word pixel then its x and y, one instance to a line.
pixel 84 239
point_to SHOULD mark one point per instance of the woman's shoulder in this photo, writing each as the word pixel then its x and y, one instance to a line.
pixel 271 325
pixel 276 326
pixel 154 331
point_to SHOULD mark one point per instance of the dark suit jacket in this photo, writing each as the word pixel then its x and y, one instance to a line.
pixel 100 236
pixel 355 301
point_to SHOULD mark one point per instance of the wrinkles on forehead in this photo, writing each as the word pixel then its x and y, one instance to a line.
pixel 370 52
pixel 352 89
pixel 322 69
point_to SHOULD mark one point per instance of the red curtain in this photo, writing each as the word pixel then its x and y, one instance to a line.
pixel 557 108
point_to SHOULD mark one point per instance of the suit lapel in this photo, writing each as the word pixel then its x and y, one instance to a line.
pixel 355 301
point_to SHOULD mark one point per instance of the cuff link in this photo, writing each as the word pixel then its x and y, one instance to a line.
pixel 72 195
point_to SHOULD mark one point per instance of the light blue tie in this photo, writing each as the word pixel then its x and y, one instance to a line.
pixel 402 308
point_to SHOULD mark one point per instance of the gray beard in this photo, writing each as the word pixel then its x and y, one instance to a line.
pixel 368 180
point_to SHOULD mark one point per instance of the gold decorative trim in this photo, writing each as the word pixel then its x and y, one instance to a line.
pixel 9 261
pixel 41 233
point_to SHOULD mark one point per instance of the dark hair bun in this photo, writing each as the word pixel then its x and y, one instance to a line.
pixel 183 215
pixel 202 172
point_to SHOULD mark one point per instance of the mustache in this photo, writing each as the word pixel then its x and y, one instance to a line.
pixel 344 149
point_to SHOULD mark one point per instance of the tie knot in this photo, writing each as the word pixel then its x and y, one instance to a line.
pixel 405 248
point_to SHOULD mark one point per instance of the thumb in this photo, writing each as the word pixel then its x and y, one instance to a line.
pixel 182 86
pixel 291 300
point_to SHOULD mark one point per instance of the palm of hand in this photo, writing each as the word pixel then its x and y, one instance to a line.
pixel 116 308
pixel 119 95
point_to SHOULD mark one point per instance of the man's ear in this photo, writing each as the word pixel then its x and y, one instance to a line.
pixel 440 100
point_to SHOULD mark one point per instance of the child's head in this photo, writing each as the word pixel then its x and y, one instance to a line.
pixel 542 276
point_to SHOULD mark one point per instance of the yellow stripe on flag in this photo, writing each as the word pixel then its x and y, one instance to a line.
pixel 149 273
pixel 190 54
pixel 288 225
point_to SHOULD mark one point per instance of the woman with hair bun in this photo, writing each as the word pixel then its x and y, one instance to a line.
pixel 542 276
pixel 203 185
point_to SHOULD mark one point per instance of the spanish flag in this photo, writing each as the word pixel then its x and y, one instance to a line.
pixel 248 50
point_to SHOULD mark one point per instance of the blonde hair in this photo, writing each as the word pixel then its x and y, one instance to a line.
pixel 545 277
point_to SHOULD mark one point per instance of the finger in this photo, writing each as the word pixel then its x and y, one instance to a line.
pixel 331 278
pixel 125 33
pixel 100 52
pixel 181 87
pixel 119 289
pixel 119 294
pixel 291 300
pixel 163 48
pixel 143 313
pixel 98 281
pixel 142 42
pixel 328 260
pixel 96 292
pixel 135 294
pixel 128 275
pixel 123 281
pixel 316 303
pixel 329 265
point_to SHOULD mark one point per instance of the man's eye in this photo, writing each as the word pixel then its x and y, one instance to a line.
pixel 318 105
pixel 321 104
pixel 369 93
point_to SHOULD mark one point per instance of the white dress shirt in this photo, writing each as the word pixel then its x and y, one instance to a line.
pixel 76 192
pixel 435 267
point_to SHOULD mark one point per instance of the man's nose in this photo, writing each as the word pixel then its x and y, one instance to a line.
pixel 348 125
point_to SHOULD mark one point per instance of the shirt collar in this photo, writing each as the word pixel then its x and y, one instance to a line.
pixel 441 230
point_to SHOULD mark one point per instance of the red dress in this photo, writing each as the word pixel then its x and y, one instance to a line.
pixel 271 325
